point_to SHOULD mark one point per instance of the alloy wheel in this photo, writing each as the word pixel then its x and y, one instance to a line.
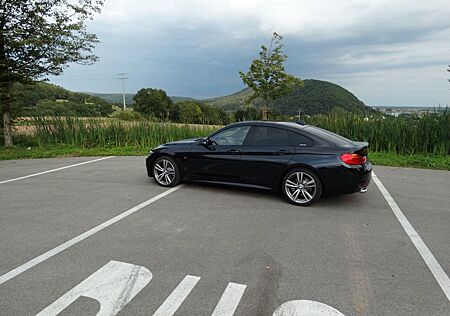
pixel 300 187
pixel 164 172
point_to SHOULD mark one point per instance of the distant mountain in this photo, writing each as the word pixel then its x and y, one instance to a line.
pixel 314 97
pixel 114 98
pixel 180 99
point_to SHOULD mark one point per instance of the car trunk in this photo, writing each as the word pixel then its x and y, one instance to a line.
pixel 361 148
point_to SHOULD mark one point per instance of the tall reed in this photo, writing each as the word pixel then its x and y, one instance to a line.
pixel 406 135
pixel 92 133
pixel 429 133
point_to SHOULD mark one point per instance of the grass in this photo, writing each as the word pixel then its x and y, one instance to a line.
pixel 415 161
pixel 58 151
pixel 377 158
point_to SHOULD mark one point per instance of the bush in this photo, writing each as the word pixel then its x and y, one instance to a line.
pixel 127 115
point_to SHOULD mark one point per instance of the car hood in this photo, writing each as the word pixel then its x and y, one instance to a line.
pixel 183 142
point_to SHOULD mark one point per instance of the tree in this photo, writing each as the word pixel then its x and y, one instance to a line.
pixel 39 38
pixel 247 113
pixel 153 102
pixel 267 76
pixel 448 71
pixel 188 112
pixel 212 115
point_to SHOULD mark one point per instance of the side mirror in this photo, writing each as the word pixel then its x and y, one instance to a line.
pixel 206 142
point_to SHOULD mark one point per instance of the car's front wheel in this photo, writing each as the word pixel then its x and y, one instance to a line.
pixel 301 186
pixel 166 172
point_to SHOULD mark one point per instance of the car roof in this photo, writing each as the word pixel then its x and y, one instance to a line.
pixel 311 131
pixel 289 125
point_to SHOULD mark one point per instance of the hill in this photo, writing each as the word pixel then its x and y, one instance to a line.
pixel 314 97
pixel 180 99
pixel 29 95
pixel 50 99
pixel 114 98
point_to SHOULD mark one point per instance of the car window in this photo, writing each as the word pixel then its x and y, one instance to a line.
pixel 267 136
pixel 233 136
pixel 330 137
pixel 298 140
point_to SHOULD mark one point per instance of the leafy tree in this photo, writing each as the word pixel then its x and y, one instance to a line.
pixel 267 76
pixel 212 115
pixel 39 38
pixel 70 108
pixel 153 102
pixel 187 112
pixel 247 113
pixel 224 117
pixel 208 113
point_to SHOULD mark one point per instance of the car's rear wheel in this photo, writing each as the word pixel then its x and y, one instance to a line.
pixel 301 186
pixel 166 172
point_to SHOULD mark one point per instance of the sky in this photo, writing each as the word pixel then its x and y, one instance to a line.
pixel 386 52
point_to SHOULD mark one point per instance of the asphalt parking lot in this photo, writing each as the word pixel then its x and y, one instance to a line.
pixel 101 237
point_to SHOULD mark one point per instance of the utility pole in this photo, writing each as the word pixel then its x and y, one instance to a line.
pixel 123 78
pixel 299 114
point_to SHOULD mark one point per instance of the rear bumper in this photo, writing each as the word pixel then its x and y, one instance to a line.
pixel 347 179
pixel 364 176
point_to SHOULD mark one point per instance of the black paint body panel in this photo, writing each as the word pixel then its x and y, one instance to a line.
pixel 266 165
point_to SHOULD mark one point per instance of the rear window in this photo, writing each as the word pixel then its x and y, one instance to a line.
pixel 298 140
pixel 329 136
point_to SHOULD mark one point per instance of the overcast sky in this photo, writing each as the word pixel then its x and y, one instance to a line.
pixel 387 52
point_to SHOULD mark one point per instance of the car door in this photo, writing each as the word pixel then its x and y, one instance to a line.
pixel 264 154
pixel 218 161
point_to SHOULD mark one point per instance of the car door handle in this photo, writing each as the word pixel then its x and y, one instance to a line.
pixel 283 152
pixel 233 151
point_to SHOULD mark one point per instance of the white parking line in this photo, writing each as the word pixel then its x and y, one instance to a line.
pixel 28 265
pixel 229 300
pixel 57 169
pixel 177 297
pixel 434 266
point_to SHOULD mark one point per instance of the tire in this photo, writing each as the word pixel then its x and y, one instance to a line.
pixel 166 172
pixel 301 187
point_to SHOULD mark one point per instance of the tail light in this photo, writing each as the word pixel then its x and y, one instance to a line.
pixel 353 159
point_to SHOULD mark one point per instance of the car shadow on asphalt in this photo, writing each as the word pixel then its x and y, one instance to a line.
pixel 327 201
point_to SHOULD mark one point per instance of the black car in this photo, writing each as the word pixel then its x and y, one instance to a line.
pixel 302 161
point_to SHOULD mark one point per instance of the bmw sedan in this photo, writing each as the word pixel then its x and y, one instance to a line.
pixel 302 161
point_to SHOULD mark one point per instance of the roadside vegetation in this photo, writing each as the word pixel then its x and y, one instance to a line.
pixel 428 134
pixel 422 142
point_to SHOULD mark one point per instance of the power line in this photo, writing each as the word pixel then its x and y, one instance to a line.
pixel 123 78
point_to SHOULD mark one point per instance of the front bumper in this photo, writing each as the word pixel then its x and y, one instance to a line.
pixel 149 164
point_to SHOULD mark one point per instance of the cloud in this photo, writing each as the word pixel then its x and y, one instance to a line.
pixel 196 47
pixel 316 20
